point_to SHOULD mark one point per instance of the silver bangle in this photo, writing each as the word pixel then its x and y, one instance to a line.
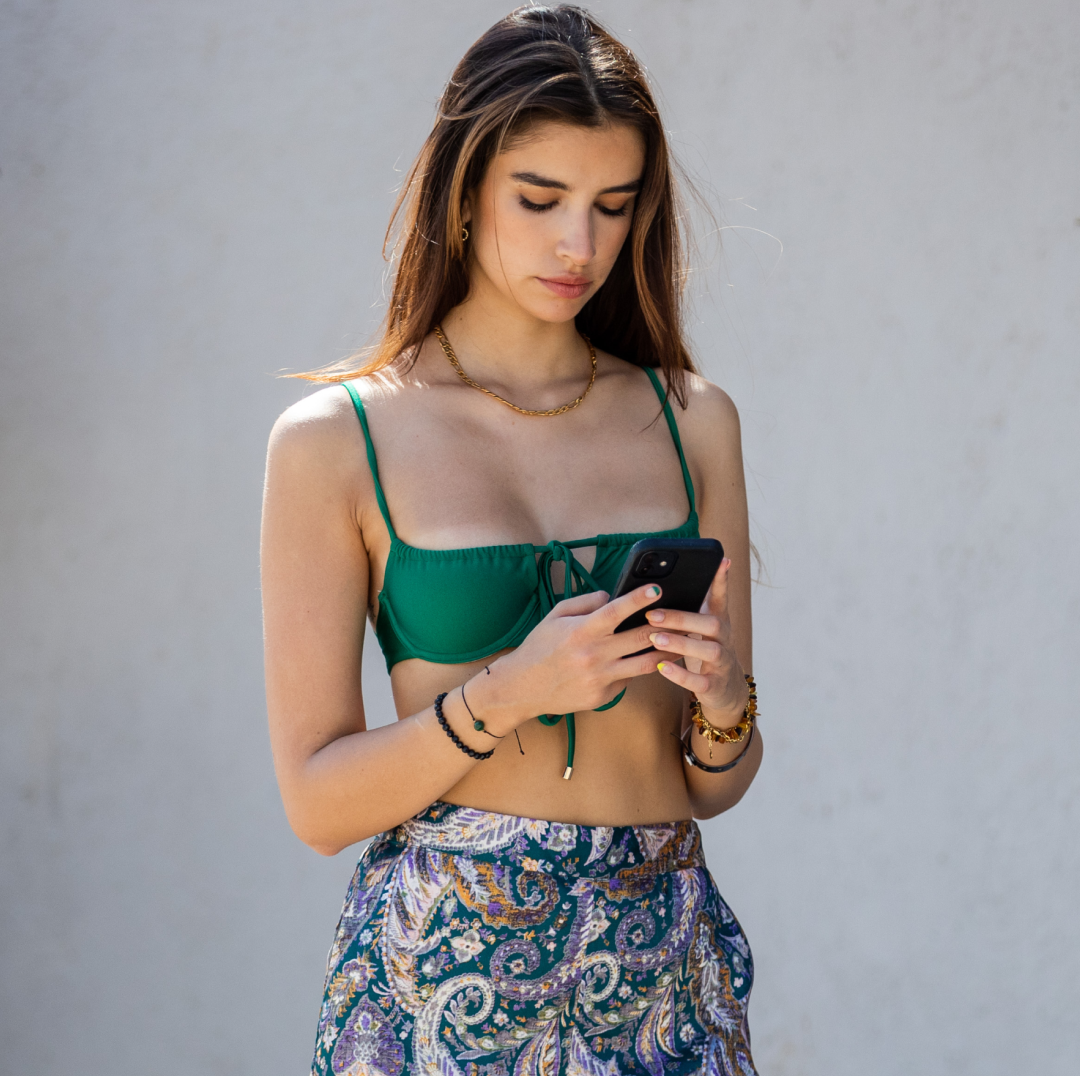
pixel 692 760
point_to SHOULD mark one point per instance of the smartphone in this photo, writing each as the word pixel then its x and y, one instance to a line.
pixel 683 568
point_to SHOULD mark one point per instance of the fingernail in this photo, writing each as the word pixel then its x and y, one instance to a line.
pixel 658 638
pixel 653 592
pixel 660 667
pixel 655 616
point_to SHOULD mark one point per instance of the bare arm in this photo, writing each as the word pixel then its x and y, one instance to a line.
pixel 341 783
pixel 333 773
pixel 718 661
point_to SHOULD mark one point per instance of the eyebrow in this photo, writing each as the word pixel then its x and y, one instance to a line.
pixel 535 180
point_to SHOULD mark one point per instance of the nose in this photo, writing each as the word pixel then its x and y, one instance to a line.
pixel 577 242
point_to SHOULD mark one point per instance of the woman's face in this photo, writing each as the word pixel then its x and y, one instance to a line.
pixel 551 215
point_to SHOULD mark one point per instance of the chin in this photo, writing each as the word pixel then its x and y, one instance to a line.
pixel 557 311
pixel 557 317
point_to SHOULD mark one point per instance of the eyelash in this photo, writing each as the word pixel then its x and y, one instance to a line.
pixel 543 207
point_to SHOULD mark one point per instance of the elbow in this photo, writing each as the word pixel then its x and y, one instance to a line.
pixel 707 807
pixel 316 838
pixel 313 831
pixel 328 838
pixel 314 818
pixel 708 804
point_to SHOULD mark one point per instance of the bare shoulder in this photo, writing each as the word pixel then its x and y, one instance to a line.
pixel 322 415
pixel 319 438
pixel 326 421
pixel 710 416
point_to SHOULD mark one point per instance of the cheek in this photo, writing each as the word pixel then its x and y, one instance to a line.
pixel 521 234
pixel 514 238
pixel 611 236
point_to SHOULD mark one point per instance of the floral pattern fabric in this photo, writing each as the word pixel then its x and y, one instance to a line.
pixel 480 944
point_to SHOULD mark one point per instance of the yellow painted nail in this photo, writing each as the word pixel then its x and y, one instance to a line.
pixel 660 667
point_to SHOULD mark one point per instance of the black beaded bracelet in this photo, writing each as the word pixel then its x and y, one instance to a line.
pixel 480 755
pixel 693 760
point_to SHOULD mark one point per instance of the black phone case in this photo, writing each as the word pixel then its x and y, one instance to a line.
pixel 686 583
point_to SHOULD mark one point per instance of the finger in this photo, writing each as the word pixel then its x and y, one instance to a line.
pixel 580 604
pixel 620 644
pixel 635 665
pixel 707 650
pixel 625 644
pixel 676 620
pixel 716 601
pixel 614 613
pixel 683 677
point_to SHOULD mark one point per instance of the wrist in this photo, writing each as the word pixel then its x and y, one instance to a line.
pixel 706 746
pixel 494 701
pixel 723 715
pixel 719 725
pixel 452 716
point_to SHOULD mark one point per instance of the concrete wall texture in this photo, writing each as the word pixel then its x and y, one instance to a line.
pixel 192 198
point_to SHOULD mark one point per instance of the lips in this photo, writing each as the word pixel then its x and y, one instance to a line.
pixel 566 287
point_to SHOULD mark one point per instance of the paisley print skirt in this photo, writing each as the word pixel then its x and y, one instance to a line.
pixel 481 944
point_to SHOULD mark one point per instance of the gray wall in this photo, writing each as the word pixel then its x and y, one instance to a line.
pixel 192 198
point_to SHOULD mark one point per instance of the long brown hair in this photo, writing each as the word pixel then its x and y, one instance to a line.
pixel 537 63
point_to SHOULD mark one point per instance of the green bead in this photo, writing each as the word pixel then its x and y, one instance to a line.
pixel 478 725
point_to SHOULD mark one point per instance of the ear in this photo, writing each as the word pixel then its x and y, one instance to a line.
pixel 466 209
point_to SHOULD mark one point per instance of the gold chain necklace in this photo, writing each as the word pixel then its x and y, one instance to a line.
pixel 449 351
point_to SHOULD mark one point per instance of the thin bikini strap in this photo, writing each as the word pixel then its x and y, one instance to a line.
pixel 373 463
pixel 674 435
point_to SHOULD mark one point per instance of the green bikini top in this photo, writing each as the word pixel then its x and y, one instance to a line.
pixel 459 605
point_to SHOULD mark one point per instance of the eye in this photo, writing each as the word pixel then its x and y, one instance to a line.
pixel 536 207
pixel 620 212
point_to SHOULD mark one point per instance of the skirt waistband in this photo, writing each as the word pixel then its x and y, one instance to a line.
pixel 558 848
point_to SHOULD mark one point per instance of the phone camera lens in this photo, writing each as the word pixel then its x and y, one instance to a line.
pixel 655 564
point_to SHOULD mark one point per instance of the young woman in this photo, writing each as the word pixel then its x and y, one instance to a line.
pixel 517 914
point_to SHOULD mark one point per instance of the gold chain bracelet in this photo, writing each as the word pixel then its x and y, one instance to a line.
pixel 738 732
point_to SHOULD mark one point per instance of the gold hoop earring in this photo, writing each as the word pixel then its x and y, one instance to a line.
pixel 464 233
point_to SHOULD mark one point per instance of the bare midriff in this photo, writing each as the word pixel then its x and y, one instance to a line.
pixel 629 767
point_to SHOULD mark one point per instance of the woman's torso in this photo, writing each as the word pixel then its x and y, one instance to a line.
pixel 465 477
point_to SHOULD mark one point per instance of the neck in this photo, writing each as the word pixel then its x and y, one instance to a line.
pixel 512 350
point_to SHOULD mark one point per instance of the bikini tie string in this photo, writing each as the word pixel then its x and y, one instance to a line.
pixel 576 580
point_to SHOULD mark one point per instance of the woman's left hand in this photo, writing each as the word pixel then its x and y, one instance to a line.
pixel 705 638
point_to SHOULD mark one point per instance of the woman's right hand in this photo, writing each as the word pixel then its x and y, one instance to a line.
pixel 572 660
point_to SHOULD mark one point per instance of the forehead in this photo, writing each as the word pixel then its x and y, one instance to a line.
pixel 580 157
